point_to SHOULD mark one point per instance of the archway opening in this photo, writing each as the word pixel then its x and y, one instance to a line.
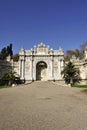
pixel 41 71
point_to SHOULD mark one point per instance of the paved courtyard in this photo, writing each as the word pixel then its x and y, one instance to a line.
pixel 43 106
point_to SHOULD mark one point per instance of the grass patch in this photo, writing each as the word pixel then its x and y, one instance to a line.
pixel 85 91
pixel 79 86
pixel 5 86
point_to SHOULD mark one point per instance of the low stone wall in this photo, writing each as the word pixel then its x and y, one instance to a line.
pixel 83 81
pixel 16 67
pixel 5 67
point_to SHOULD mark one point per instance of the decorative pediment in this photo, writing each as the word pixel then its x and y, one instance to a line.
pixel 41 49
pixel 41 45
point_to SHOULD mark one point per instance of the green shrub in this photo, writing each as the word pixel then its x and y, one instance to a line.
pixel 79 86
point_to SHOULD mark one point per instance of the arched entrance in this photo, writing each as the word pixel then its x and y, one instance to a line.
pixel 41 71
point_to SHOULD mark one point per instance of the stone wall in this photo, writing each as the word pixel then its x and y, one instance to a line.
pixel 8 65
pixel 15 66
pixel 82 65
pixel 28 60
pixel 5 66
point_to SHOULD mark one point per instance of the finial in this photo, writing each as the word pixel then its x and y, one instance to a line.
pixel 51 49
pixel 48 46
pixel 41 43
pixel 31 49
pixel 34 46
pixel 44 45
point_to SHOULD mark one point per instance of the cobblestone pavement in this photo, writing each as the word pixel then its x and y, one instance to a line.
pixel 43 106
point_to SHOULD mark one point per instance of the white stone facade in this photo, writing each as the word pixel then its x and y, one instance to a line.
pixel 41 63
pixel 82 65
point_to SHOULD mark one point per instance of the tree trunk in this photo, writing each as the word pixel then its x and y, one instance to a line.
pixel 71 81
pixel 10 82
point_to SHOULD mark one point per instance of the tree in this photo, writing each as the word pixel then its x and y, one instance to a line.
pixel 83 45
pixel 71 74
pixel 66 58
pixel 9 50
pixel 11 77
pixel 3 53
pixel 15 57
pixel 69 53
pixel 6 51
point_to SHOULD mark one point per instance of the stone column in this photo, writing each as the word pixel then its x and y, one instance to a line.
pixel 20 68
pixel 59 69
pixel 53 68
pixel 32 78
pixel 61 66
pixel 32 69
pixel 23 69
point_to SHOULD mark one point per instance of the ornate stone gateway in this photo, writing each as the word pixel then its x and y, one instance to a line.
pixel 41 63
pixel 41 71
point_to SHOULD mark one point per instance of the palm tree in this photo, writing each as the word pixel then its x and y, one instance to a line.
pixel 11 76
pixel 71 74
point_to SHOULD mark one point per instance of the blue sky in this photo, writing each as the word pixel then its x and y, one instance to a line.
pixel 55 22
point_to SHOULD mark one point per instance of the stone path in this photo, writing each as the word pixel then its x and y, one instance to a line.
pixel 43 106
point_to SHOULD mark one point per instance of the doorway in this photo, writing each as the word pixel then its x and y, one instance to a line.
pixel 41 71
